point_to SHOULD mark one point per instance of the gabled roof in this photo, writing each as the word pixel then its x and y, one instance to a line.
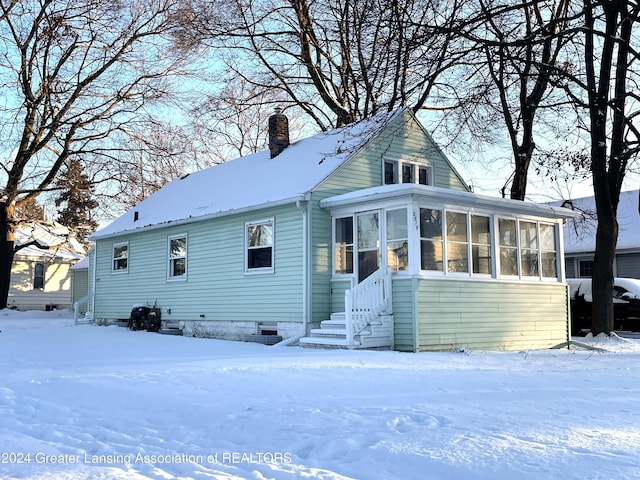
pixel 47 240
pixel 252 181
pixel 580 233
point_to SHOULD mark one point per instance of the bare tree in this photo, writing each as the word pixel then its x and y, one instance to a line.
pixel 337 61
pixel 520 50
pixel 611 86
pixel 76 74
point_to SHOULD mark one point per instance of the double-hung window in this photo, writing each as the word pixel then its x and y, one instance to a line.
pixel 397 240
pixel 178 257
pixel 431 249
pixel 457 242
pixel 39 270
pixel 259 242
pixel 120 261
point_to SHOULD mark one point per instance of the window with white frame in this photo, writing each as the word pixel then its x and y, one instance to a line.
pixel 508 246
pixel 343 245
pixel 120 263
pixel 397 240
pixel 585 268
pixel 431 249
pixel 178 257
pixel 406 172
pixel 457 248
pixel 548 257
pixel 259 242
pixel 529 249
pixel 39 270
pixel 481 245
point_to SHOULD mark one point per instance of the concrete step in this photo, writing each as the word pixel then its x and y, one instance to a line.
pixel 327 341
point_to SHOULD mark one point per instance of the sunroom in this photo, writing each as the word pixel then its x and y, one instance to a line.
pixel 468 271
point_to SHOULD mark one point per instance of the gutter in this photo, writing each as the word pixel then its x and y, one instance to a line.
pixel 188 220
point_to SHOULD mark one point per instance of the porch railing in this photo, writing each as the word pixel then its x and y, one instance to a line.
pixel 366 301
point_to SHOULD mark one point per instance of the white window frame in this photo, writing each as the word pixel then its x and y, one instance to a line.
pixel 35 275
pixel 334 246
pixel 415 174
pixel 114 259
pixel 171 259
pixel 247 248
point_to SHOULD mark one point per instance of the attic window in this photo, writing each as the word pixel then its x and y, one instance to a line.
pixel 396 171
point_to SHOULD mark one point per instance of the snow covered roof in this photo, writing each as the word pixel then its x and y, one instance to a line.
pixel 580 233
pixel 252 181
pixel 47 239
pixel 447 196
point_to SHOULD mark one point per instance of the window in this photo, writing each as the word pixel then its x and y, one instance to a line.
pixel 260 246
pixel 508 245
pixel 368 238
pixel 405 172
pixel 121 257
pixel 457 242
pixel 178 257
pixel 529 249
pixel 343 253
pixel 38 275
pixel 481 245
pixel 548 251
pixel 390 172
pixel 397 240
pixel 431 239
pixel 585 268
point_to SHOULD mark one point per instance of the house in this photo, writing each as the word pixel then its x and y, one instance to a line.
pixel 365 236
pixel 580 237
pixel 41 270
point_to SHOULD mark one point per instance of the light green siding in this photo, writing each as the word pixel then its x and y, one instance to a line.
pixel 490 315
pixel 216 287
pixel 403 313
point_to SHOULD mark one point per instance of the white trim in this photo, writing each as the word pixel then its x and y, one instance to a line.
pixel 259 270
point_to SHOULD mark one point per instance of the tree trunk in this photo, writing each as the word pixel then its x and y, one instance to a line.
pixel 6 252
pixel 602 280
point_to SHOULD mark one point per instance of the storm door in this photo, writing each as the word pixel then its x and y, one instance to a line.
pixel 368 241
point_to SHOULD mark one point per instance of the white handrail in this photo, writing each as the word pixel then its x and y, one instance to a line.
pixel 366 301
pixel 76 308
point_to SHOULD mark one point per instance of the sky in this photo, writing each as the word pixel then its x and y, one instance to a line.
pixel 95 402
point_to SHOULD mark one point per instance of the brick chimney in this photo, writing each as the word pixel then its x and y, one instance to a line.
pixel 278 132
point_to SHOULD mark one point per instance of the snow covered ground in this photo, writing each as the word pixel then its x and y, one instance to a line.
pixel 90 402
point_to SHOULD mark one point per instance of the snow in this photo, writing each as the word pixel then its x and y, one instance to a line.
pixel 53 236
pixel 92 402
pixel 251 181
pixel 580 233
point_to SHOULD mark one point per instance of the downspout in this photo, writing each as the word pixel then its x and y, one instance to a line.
pixel 303 206
pixel 93 280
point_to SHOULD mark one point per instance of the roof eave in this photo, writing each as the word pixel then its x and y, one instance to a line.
pixel 202 218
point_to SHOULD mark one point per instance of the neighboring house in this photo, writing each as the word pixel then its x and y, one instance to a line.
pixel 580 237
pixel 41 276
pixel 371 220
